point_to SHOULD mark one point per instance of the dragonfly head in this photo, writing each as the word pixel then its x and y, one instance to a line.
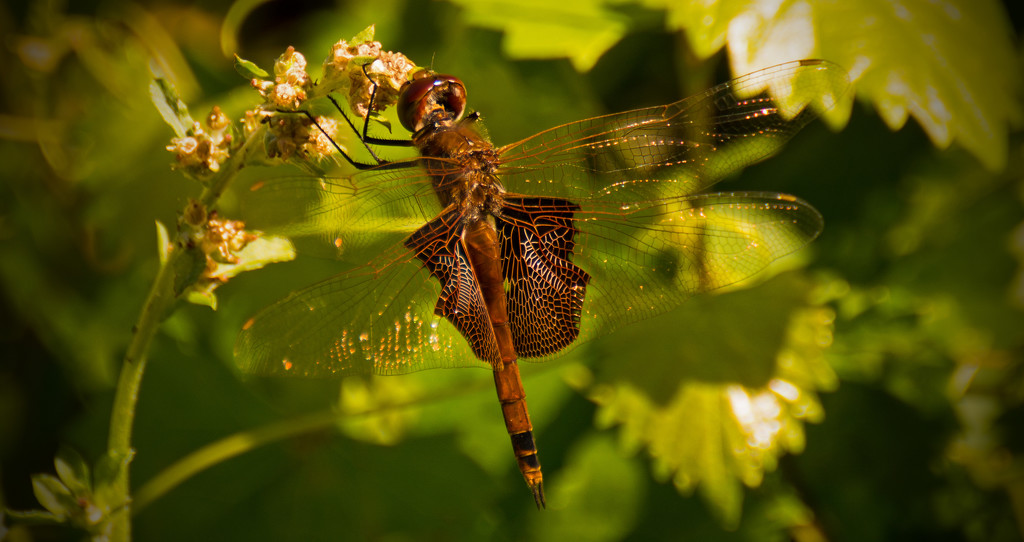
pixel 431 97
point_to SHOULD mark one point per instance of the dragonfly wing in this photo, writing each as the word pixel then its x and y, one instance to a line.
pixel 676 149
pixel 351 218
pixel 440 246
pixel 546 292
pixel 376 319
pixel 650 258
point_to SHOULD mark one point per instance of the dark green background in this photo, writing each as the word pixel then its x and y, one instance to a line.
pixel 918 250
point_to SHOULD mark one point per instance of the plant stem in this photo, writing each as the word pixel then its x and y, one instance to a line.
pixel 159 301
pixel 123 414
pixel 226 448
pixel 248 440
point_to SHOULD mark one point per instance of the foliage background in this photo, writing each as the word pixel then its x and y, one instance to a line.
pixel 902 324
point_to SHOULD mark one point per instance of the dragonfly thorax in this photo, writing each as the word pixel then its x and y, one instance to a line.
pixel 478 194
pixel 462 164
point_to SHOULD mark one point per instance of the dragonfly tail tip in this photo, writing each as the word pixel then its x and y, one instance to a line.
pixel 538 495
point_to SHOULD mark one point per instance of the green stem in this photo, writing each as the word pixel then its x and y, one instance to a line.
pixel 245 441
pixel 227 448
pixel 161 298
pixel 123 414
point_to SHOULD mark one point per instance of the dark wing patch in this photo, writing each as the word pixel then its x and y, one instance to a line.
pixel 545 289
pixel 438 244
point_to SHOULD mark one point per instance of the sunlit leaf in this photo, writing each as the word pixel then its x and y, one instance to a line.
pixel 581 30
pixel 956 92
pixel 262 251
pixel 249 69
pixel 729 421
pixel 958 86
pixel 365 35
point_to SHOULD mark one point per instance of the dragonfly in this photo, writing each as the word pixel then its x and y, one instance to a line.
pixel 470 254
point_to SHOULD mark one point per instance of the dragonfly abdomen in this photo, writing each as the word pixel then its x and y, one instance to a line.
pixel 520 430
pixel 484 253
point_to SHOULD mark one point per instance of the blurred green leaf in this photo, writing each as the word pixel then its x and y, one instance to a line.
pixel 248 69
pixel 377 410
pixel 233 19
pixel 163 242
pixel 171 108
pixel 746 352
pixel 956 93
pixel 73 470
pixel 1017 248
pixel 581 30
pixel 40 517
pixel 53 495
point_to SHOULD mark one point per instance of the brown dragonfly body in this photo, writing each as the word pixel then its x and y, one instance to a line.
pixel 537 246
pixel 474 260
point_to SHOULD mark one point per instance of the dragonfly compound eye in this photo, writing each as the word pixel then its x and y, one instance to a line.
pixel 431 99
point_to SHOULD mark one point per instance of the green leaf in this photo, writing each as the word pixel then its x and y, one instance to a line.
pixel 258 253
pixel 171 108
pixel 718 414
pixel 963 84
pixel 249 69
pixel 163 242
pixel 255 255
pixel 705 24
pixel 742 343
pixel 53 495
pixel 202 295
pixel 581 30
pixel 73 470
pixel 35 517
pixel 364 36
